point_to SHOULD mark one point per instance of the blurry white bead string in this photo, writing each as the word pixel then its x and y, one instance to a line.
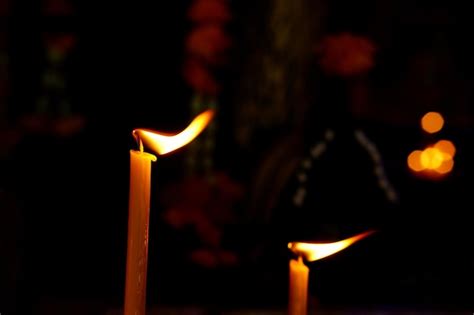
pixel 379 169
pixel 320 147
pixel 316 152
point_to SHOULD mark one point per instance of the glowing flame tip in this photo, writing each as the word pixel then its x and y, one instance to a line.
pixel 162 143
pixel 316 251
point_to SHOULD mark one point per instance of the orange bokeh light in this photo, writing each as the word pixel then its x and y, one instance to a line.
pixel 445 167
pixel 316 251
pixel 432 158
pixel 162 143
pixel 446 146
pixel 432 122
pixel 414 161
pixel 438 158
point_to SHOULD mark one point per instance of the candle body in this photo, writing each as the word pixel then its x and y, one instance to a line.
pixel 298 288
pixel 138 221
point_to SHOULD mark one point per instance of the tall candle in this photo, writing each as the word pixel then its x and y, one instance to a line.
pixel 139 205
pixel 298 293
pixel 137 246
pixel 299 272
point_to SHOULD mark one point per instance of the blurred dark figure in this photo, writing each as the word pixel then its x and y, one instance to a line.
pixel 341 176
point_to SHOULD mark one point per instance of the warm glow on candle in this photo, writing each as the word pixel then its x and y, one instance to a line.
pixel 162 143
pixel 137 244
pixel 316 251
pixel 298 286
pixel 139 205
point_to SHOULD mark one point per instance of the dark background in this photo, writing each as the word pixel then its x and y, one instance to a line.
pixel 64 199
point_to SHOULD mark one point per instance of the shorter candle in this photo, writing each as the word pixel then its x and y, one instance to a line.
pixel 299 272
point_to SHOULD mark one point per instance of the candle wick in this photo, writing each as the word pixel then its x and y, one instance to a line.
pixel 300 259
pixel 138 139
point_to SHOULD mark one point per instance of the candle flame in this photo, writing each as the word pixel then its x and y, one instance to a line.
pixel 162 143
pixel 316 251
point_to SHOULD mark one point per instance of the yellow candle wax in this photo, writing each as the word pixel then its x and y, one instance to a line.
pixel 139 205
pixel 298 292
pixel 137 245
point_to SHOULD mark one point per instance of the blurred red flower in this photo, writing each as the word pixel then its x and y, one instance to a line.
pixel 346 54
pixel 61 43
pixel 205 205
pixel 209 11
pixel 209 43
pixel 58 7
pixel 199 77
